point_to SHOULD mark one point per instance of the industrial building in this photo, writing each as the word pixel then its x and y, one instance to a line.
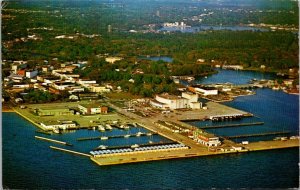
pixel 53 112
pixel 166 101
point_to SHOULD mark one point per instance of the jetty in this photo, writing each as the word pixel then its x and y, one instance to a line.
pixel 232 125
pixel 52 140
pixel 70 151
pixel 258 135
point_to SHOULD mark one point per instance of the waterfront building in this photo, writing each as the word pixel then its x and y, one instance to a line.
pixel 205 91
pixel 234 67
pixel 50 125
pixel 206 138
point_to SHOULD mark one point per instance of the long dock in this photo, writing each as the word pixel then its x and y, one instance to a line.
pixel 115 136
pixel 52 140
pixel 232 125
pixel 70 151
pixel 258 135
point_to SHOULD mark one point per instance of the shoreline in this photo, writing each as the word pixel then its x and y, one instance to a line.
pixel 28 119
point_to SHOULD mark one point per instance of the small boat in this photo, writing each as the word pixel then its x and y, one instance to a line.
pixel 135 146
pixel 126 127
pixel 121 126
pixel 101 128
pixel 126 136
pixel 56 130
pixel 139 134
pixel 102 147
pixel 150 142
pixel 103 138
pixel 149 134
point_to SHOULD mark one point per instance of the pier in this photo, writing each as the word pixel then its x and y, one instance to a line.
pixel 52 140
pixel 258 135
pixel 115 136
pixel 232 125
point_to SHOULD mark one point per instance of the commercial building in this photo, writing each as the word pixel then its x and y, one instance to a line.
pixel 206 138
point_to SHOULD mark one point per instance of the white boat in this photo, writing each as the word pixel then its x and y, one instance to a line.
pixel 135 146
pixel 126 127
pixel 103 138
pixel 139 134
pixel 126 136
pixel 101 128
pixel 149 134
pixel 121 126
pixel 108 127
pixel 102 147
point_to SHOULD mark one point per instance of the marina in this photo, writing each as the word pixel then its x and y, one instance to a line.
pixel 200 156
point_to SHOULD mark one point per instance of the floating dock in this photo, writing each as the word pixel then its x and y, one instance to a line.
pixel 232 125
pixel 115 136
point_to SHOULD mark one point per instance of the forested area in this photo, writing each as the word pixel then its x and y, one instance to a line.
pixel 45 20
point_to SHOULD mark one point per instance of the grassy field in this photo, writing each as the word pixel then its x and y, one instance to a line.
pixel 82 120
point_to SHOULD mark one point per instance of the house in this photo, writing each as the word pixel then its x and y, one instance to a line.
pixel 89 109
pixel 98 89
pixel 31 73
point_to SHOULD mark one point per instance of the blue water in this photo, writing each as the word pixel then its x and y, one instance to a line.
pixel 234 77
pixel 278 110
pixel 30 163
pixel 159 58
pixel 207 27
